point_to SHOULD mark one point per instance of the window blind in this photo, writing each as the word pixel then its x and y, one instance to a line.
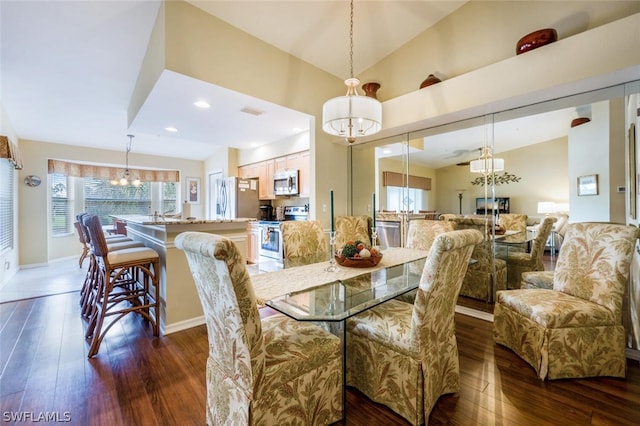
pixel 61 202
pixel 6 205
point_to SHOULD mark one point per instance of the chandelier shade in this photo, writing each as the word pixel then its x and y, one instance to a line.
pixel 486 164
pixel 352 115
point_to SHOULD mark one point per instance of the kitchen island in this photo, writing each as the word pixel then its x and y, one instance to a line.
pixel 180 306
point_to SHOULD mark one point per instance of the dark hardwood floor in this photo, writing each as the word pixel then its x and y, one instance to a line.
pixel 137 379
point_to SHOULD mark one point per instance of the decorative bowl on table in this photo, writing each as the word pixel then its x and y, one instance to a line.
pixel 359 262
pixel 356 254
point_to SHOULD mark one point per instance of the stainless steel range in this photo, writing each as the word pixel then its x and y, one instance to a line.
pixel 270 237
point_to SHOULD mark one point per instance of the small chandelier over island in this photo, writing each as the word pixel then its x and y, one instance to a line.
pixel 352 115
pixel 126 177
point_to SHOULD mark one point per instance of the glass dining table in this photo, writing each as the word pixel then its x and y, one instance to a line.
pixel 339 299
pixel 335 296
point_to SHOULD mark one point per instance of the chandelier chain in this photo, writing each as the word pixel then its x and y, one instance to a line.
pixel 351 40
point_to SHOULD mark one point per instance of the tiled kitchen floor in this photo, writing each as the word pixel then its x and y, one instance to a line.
pixel 64 276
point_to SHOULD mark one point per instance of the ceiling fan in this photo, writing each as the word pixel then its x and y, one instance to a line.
pixel 461 152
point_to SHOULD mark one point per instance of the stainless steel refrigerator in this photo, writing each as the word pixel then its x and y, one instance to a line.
pixel 237 198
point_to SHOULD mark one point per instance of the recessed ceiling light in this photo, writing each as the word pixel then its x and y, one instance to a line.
pixel 171 129
pixel 386 151
pixel 202 104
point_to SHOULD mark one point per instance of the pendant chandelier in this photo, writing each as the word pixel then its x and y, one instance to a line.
pixel 486 164
pixel 126 176
pixel 352 116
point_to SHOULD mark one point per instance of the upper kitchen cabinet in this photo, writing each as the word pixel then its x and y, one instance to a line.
pixel 301 162
pixel 264 171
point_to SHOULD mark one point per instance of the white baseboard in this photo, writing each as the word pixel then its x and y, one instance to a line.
pixel 182 325
pixel 485 316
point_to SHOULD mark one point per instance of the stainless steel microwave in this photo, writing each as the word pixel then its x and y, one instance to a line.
pixel 285 182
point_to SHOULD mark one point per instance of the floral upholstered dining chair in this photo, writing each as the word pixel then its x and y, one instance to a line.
pixel 522 262
pixel 405 355
pixel 268 371
pixel 573 329
pixel 479 280
pixel 303 238
pixel 420 236
pixel 516 223
pixel 352 228
pixel 423 232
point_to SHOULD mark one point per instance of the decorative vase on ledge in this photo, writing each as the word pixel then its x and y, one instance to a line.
pixel 536 39
pixel 370 89
pixel 431 79
pixel 580 120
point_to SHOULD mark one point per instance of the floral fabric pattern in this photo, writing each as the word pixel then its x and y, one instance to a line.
pixel 520 262
pixel 303 238
pixel 352 228
pixel 514 222
pixel 420 236
pixel 422 233
pixel 478 282
pixel 272 371
pixel 574 329
pixel 405 356
pixel 538 279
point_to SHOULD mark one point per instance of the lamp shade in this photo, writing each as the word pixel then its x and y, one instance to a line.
pixel 546 207
pixel 352 116
pixel 487 165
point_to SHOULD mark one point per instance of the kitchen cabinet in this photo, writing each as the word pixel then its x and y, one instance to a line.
pixel 249 171
pixel 264 171
pixel 280 163
pixel 266 179
pixel 253 242
pixel 301 162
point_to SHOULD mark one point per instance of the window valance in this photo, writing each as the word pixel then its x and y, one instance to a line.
pixel 400 179
pixel 111 173
pixel 10 151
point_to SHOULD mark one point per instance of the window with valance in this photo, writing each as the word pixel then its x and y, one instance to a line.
pixel 10 151
pixel 68 168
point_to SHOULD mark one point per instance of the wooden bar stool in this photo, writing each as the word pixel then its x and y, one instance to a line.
pixel 126 281
pixel 91 277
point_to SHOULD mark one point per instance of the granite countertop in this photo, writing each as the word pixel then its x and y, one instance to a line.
pixel 150 220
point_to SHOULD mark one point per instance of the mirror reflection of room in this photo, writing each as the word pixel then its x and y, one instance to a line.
pixel 544 149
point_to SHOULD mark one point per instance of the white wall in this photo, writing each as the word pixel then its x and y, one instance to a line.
pixel 589 156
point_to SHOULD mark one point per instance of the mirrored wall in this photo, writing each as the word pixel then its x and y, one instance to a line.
pixel 548 150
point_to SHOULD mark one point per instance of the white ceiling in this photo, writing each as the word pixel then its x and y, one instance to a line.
pixel 69 69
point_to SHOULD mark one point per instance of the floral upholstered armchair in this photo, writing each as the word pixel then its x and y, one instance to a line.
pixel 575 328
pixel 405 355
pixel 303 238
pixel 352 228
pixel 478 282
pixel 521 262
pixel 260 372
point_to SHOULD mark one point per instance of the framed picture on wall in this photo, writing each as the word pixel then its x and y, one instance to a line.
pixel 588 185
pixel 193 190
